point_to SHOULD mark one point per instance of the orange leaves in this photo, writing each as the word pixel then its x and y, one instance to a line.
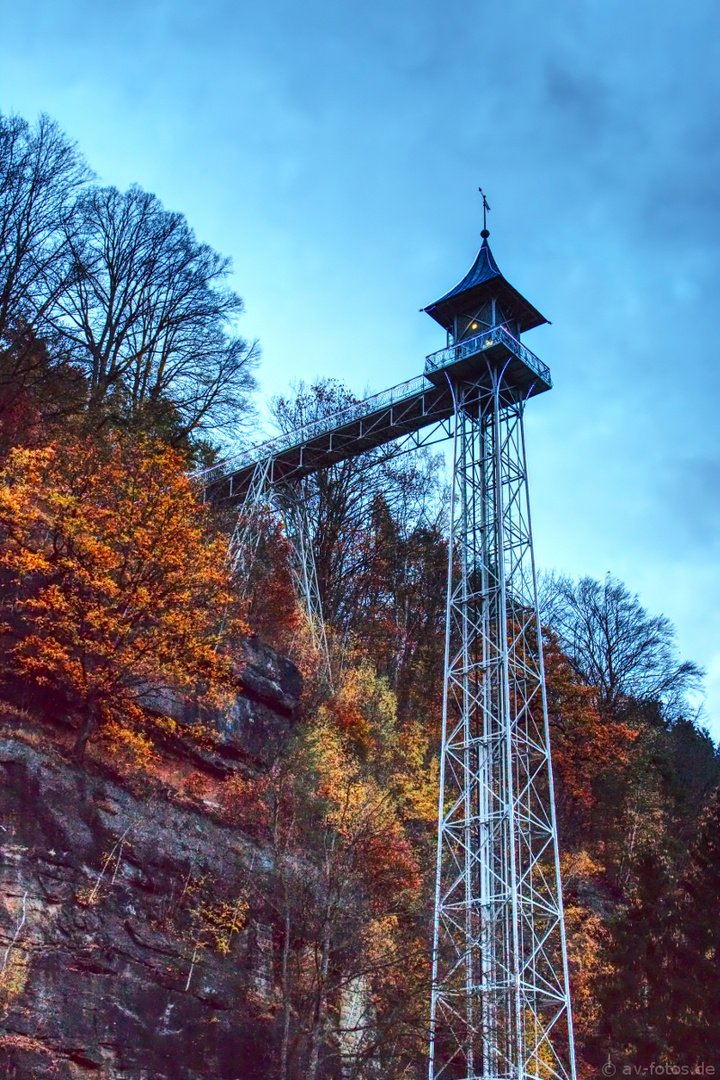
pixel 362 717
pixel 586 745
pixel 113 582
pixel 391 866
pixel 373 780
pixel 587 938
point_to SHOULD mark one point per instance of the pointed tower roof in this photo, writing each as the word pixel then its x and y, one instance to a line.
pixel 483 282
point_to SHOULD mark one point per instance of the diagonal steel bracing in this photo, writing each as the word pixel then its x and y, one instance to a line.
pixel 500 1004
pixel 289 501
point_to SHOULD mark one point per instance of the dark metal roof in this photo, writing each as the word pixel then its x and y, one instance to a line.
pixel 482 282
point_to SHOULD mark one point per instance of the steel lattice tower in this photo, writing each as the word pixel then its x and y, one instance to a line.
pixel 500 1005
pixel 500 1000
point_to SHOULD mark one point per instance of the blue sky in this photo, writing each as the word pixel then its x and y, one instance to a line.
pixel 334 151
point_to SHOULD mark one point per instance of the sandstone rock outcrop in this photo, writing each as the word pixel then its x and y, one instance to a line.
pixel 132 946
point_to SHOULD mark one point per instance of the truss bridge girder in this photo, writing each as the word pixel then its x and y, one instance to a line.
pixel 414 406
pixel 399 413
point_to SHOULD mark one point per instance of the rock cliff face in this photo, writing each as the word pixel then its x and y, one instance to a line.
pixel 132 945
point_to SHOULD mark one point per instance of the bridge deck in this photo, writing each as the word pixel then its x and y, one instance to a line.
pixel 384 417
pixel 377 420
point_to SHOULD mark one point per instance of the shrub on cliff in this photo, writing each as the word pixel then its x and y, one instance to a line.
pixel 113 585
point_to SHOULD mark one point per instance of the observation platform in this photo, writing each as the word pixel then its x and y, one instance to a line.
pixel 493 350
pixel 385 417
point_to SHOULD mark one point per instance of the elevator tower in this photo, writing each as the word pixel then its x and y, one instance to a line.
pixel 500 1001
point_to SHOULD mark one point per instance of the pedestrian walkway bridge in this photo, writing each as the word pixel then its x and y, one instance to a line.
pixel 400 411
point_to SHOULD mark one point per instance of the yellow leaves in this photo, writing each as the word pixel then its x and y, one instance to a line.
pixel 358 807
pixel 587 937
pixel 381 938
pixel 135 747
pixel 15 963
pixel 578 866
pixel 27 562
pixel 420 792
pixel 26 467
pixel 357 736
pixel 364 710
pixel 219 921
pixel 206 917
pixel 347 797
pixel 363 802
pixel 541 1061
pixel 363 688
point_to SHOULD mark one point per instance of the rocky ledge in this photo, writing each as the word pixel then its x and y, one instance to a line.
pixel 133 943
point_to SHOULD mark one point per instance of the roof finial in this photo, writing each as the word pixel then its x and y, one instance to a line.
pixel 485 232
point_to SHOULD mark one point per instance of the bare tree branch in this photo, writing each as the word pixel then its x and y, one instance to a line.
pixel 41 174
pixel 147 314
pixel 614 644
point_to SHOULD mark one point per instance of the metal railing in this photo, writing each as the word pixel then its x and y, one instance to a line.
pixel 315 428
pixel 496 335
pixel 271 448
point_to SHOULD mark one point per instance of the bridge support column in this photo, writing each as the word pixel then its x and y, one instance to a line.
pixel 288 501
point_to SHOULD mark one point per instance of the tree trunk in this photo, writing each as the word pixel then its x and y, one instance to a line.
pixel 285 988
pixel 318 1026
pixel 89 723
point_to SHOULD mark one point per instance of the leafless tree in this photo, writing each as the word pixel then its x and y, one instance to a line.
pixel 41 174
pixel 147 314
pixel 615 645
pixel 342 502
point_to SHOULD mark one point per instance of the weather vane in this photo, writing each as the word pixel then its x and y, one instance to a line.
pixel 486 206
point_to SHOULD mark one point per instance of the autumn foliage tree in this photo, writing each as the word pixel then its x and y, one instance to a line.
pixel 635 774
pixel 401 617
pixel 347 816
pixel 694 946
pixel 266 582
pixel 113 586
pixel 589 748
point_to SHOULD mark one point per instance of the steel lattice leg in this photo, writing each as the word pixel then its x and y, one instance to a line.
pixel 288 500
pixel 500 1000
pixel 246 534
pixel 297 530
